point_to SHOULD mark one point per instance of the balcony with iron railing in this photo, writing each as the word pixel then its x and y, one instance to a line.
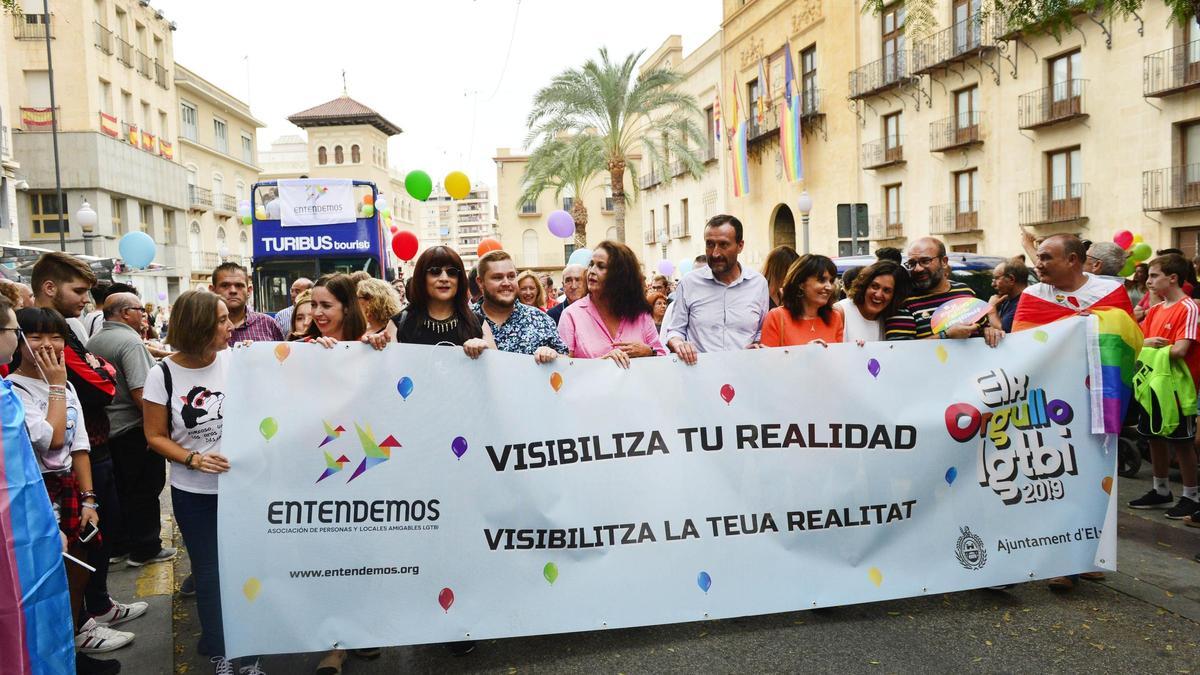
pixel 1174 188
pixel 204 262
pixel 104 38
pixel 953 133
pixel 955 218
pixel 144 64
pixel 1059 204
pixel 39 119
pixel 648 235
pixel 709 153
pixel 124 52
pixel 224 202
pixel 887 226
pixel 883 153
pixel 161 75
pixel 649 179
pixel 3 141
pixel 199 197
pixel 528 209
pixel 1171 71
pixel 32 26
pixel 1060 102
pixel 885 73
pixel 768 128
pixel 959 42
pixel 810 104
pixel 678 168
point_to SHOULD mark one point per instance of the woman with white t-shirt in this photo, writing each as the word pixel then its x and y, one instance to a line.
pixel 875 295
pixel 184 421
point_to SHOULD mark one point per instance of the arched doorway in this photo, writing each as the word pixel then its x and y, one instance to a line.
pixel 783 227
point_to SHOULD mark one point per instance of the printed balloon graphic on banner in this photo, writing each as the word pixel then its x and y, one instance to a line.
pixel 419 185
pixel 556 380
pixel 550 572
pixel 873 368
pixel 459 447
pixel 951 474
pixel 282 351
pixel 251 589
pixel 446 598
pixel 457 185
pixel 958 312
pixel 875 576
pixel 137 249
pixel 268 428
pixel 704 581
pixel 405 387
pixel 727 393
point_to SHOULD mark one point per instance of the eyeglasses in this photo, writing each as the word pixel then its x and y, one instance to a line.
pixel 437 271
pixel 134 308
pixel 913 263
pixel 16 331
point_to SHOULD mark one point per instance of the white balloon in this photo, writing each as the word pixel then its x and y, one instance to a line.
pixel 274 209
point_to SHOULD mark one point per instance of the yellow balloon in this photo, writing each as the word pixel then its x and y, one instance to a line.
pixel 457 185
pixel 1137 239
pixel 251 588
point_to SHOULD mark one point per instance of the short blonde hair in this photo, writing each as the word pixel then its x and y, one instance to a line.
pixel 540 301
pixel 382 300
pixel 193 321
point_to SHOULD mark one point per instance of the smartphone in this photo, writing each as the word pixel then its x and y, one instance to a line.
pixel 88 532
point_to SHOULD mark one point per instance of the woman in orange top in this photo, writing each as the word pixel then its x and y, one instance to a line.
pixel 807 313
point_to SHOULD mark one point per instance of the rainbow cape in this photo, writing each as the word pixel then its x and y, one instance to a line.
pixel 36 631
pixel 1114 340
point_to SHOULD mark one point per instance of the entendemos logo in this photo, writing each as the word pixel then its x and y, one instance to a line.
pixel 970 550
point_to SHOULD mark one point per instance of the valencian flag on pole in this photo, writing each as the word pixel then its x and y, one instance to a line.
pixel 789 123
pixel 36 634
pixel 1114 340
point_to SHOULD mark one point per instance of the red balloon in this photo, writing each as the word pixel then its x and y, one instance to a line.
pixel 1124 239
pixel 488 245
pixel 394 229
pixel 405 245
pixel 446 598
pixel 727 393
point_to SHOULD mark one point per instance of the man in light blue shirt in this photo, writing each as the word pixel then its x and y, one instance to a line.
pixel 720 307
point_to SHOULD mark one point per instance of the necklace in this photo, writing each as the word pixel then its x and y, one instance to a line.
pixel 441 326
pixel 812 327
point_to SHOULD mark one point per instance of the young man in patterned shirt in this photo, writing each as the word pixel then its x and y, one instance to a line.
pixel 516 327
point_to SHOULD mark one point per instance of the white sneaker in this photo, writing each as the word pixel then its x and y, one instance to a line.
pixel 224 666
pixel 251 669
pixel 119 613
pixel 96 639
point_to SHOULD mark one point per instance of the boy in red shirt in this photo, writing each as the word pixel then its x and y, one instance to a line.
pixel 1172 322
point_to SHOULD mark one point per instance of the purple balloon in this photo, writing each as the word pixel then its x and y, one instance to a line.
pixel 459 447
pixel 561 224
pixel 873 368
pixel 666 268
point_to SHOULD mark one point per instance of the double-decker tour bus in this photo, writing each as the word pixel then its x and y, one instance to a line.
pixel 310 227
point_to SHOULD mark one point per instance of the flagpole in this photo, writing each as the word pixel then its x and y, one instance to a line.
pixel 58 192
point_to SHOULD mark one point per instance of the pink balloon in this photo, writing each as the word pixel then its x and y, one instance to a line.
pixel 1123 238
pixel 666 268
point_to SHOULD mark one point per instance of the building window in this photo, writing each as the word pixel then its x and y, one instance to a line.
pixel 752 95
pixel 529 207
pixel 247 149
pixel 194 238
pixel 611 234
pixel 1066 89
pixel 568 203
pixel 966 206
pixel 685 227
pixel 147 212
pixel 608 198
pixel 893 138
pixel 115 206
pixel 218 190
pixel 529 247
pixel 355 157
pixel 168 226
pixel 891 205
pixel 893 42
pixel 220 135
pixel 808 81
pixel 105 96
pixel 649 233
pixel 322 156
pixel 222 247
pixel 1189 157
pixel 43 214
pixel 1064 182
pixel 710 123
pixel 966 107
pixel 666 221
pixel 338 156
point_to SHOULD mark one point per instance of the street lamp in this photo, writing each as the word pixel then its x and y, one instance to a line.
pixel 86 216
pixel 805 204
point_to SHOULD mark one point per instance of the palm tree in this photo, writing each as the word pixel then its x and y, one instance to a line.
pixel 570 164
pixel 624 112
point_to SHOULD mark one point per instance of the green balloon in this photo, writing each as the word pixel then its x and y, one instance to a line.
pixel 418 184
pixel 1141 252
pixel 245 220
pixel 550 571
pixel 1127 270
pixel 368 211
pixel 268 427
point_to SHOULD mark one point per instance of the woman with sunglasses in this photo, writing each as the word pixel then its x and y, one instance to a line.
pixel 439 310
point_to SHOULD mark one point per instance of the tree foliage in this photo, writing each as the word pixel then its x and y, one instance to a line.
pixel 565 164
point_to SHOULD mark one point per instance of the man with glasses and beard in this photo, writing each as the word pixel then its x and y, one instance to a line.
pixel 516 327
pixel 929 270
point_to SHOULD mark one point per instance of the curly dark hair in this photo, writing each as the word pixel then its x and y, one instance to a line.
pixel 624 286
pixel 807 266
pixel 881 268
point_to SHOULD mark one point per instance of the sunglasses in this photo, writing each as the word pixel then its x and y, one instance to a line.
pixel 451 272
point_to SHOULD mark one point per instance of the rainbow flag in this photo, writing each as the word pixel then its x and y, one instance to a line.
pixel 741 165
pixel 1114 341
pixel 789 124
pixel 36 631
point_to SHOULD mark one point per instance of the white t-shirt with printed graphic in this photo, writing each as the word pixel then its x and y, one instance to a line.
pixel 197 415
pixel 35 396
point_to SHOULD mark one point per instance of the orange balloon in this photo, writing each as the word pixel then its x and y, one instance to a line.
pixel 488 245
pixel 368 198
pixel 556 381
pixel 1106 484
pixel 282 351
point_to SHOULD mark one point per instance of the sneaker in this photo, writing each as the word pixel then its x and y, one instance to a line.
pixel 188 588
pixel 223 666
pixel 1152 500
pixel 86 665
pixel 164 554
pixel 1184 507
pixel 118 559
pixel 96 639
pixel 251 669
pixel 119 613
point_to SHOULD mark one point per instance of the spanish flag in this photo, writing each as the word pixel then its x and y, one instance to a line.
pixel 133 136
pixel 37 118
pixel 108 124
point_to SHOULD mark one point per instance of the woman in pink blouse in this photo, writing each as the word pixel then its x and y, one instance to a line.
pixel 613 320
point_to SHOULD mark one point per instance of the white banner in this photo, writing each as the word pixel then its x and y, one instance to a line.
pixel 413 495
pixel 316 201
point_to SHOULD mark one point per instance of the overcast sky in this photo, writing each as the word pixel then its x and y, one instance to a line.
pixel 434 68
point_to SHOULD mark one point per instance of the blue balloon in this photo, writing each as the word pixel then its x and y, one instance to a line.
pixel 405 387
pixel 685 266
pixel 137 249
pixel 580 256
pixel 704 581
pixel 951 474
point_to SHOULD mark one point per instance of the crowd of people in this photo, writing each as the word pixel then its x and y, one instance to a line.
pixel 108 406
